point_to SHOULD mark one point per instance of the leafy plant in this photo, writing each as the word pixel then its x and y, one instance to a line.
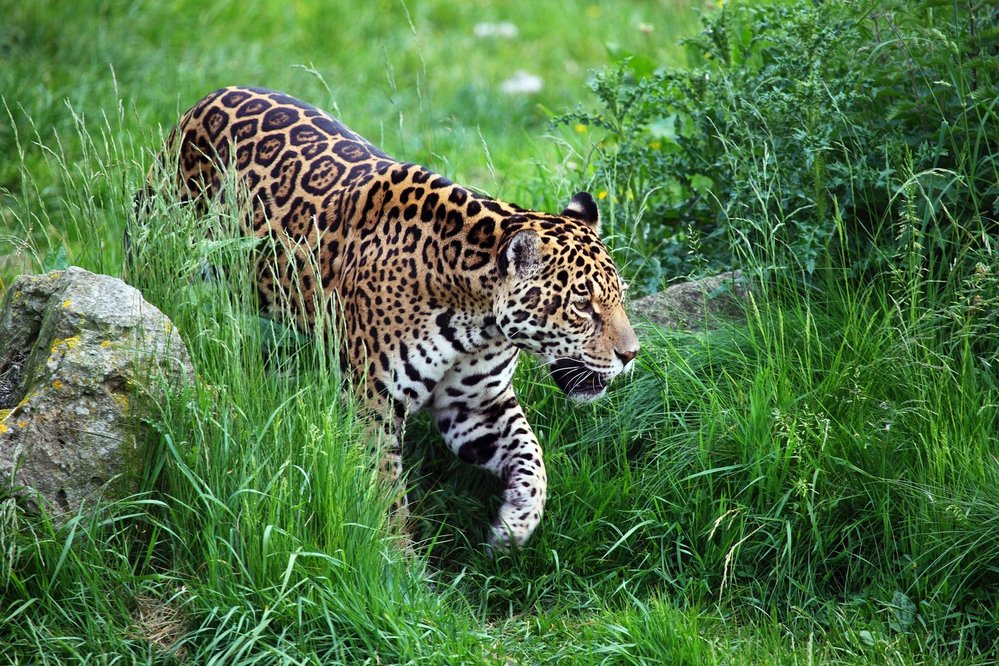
pixel 808 116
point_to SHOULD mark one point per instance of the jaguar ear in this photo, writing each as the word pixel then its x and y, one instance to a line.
pixel 584 208
pixel 522 254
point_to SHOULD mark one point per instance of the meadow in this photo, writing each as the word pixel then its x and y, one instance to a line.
pixel 817 484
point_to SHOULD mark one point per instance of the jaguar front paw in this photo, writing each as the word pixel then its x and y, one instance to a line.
pixel 518 517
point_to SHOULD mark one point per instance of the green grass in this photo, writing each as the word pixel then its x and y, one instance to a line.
pixel 815 486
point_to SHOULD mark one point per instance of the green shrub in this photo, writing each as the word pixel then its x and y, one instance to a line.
pixel 795 116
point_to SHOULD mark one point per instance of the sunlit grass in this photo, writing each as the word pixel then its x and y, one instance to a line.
pixel 411 76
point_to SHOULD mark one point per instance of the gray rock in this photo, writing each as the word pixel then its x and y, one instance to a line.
pixel 695 306
pixel 76 349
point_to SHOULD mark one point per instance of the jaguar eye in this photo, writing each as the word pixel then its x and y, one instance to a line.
pixel 585 306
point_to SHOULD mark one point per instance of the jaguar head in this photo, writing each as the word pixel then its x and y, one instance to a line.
pixel 561 298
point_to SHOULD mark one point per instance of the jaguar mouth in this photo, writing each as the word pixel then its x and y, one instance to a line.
pixel 578 381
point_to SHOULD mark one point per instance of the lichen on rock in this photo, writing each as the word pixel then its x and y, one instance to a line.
pixel 74 348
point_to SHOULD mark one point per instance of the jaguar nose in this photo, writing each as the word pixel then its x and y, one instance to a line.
pixel 626 356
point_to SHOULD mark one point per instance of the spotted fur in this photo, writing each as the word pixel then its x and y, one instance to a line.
pixel 438 288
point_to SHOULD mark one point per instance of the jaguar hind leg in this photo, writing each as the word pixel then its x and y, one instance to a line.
pixel 384 433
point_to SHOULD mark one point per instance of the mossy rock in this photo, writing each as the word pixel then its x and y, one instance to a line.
pixel 696 305
pixel 76 348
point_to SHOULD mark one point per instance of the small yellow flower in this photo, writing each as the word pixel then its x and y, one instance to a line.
pixel 581 128
pixel 22 424
pixel 655 145
pixel 602 194
pixel 106 343
pixel 3 428
pixel 57 384
pixel 67 303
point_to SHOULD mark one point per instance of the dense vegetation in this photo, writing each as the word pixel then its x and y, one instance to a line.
pixel 818 484
pixel 794 118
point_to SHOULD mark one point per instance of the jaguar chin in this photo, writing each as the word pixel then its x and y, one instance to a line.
pixel 578 381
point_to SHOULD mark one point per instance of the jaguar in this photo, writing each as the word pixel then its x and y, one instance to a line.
pixel 435 288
